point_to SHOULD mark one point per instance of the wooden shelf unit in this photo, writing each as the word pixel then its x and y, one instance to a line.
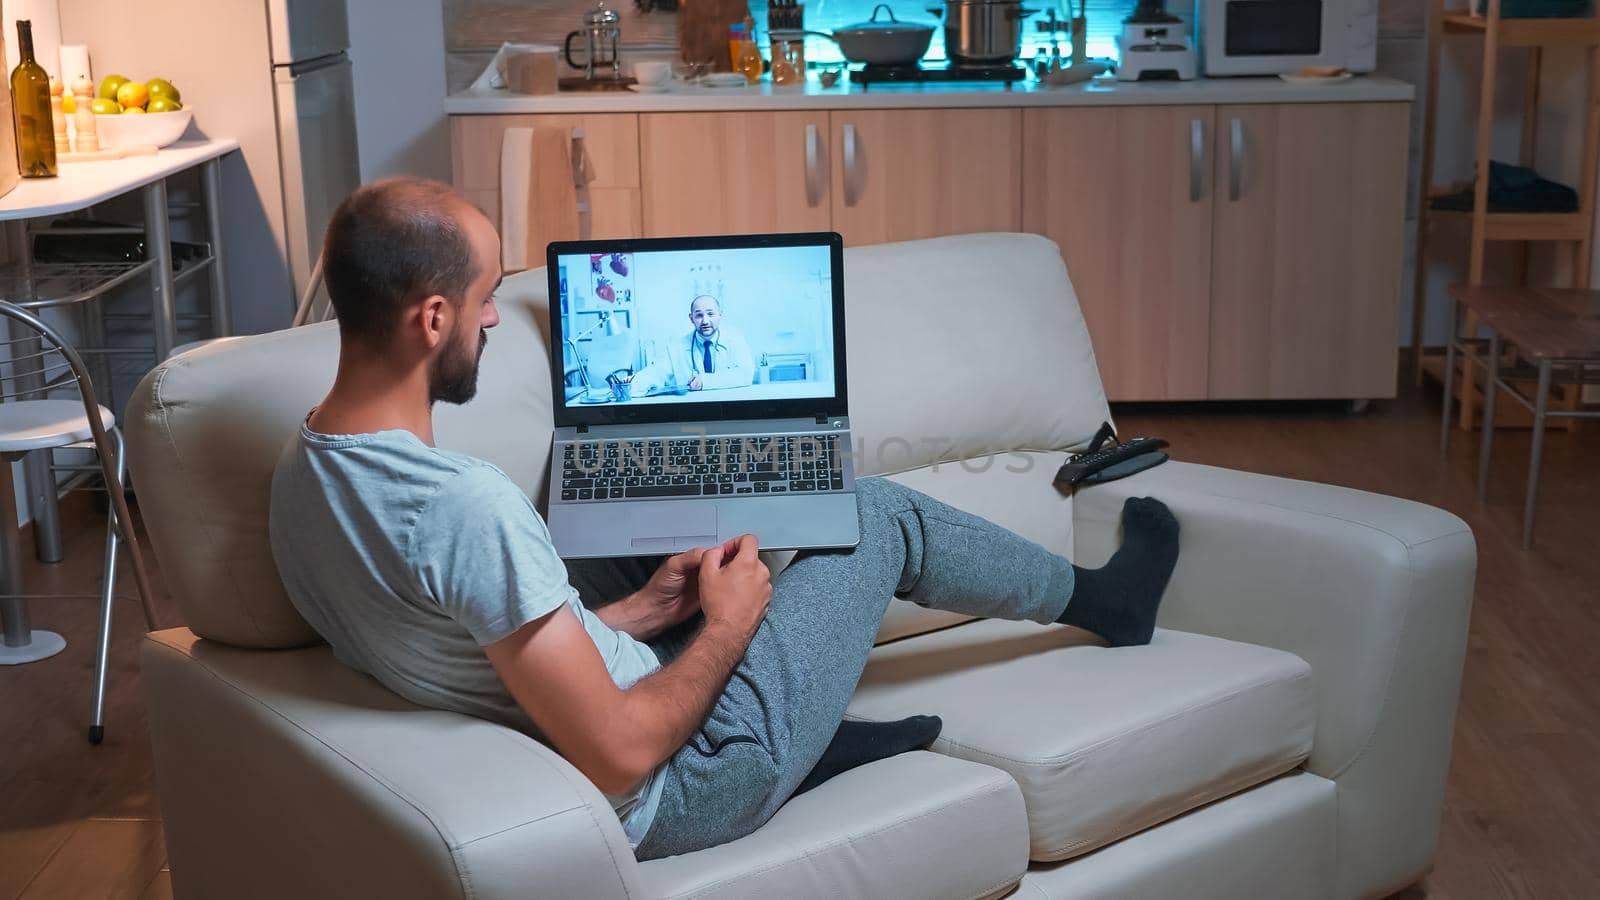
pixel 1574 229
pixel 1522 226
pixel 1583 32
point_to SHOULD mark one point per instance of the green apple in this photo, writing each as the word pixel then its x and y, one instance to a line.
pixel 104 107
pixel 160 87
pixel 109 85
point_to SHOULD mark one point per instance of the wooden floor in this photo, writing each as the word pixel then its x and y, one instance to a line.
pixel 1522 815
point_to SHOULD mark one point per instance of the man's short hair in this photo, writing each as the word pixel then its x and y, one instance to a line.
pixel 390 244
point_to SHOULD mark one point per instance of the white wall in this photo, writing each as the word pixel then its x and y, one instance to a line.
pixel 229 85
pixel 398 50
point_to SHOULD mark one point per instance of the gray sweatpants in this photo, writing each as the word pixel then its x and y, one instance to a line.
pixel 787 697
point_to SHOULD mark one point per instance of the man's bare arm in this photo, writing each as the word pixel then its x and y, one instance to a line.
pixel 670 596
pixel 617 737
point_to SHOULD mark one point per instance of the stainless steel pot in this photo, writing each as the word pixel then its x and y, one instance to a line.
pixel 889 43
pixel 983 31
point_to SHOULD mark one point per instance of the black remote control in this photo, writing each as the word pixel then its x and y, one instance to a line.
pixel 1079 467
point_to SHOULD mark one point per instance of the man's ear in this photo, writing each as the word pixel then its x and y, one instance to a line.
pixel 436 313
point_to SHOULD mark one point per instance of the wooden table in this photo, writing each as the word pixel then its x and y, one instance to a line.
pixel 1551 328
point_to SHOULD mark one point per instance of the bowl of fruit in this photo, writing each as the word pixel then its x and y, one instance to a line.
pixel 137 113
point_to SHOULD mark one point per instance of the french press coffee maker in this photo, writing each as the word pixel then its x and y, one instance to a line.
pixel 600 35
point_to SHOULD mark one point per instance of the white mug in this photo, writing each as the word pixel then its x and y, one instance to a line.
pixel 652 74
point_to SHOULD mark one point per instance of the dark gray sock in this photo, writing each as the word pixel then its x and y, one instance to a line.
pixel 1119 600
pixel 858 743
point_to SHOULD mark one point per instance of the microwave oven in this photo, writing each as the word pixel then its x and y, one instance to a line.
pixel 1271 37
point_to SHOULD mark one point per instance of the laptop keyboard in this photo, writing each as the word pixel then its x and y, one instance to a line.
pixel 693 467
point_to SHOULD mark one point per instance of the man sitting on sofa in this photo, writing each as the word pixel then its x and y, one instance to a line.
pixel 700 703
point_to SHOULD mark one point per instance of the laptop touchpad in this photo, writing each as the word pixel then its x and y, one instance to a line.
pixel 659 526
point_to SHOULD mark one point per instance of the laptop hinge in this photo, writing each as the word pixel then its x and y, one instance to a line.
pixel 583 429
pixel 822 420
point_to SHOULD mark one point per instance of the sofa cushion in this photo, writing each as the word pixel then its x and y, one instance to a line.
pixel 1278 839
pixel 929 382
pixel 1104 742
pixel 918 825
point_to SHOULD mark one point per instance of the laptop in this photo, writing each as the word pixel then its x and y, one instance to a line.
pixel 700 393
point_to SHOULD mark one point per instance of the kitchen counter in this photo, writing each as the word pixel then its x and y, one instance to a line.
pixel 83 184
pixel 1098 92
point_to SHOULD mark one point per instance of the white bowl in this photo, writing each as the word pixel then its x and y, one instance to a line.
pixel 157 129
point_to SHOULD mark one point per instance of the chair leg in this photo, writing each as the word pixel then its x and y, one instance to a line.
pixel 108 594
pixel 130 536
pixel 102 659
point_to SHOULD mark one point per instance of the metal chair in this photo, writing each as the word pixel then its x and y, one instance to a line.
pixel 303 312
pixel 42 364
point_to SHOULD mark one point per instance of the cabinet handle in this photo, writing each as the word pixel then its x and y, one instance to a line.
pixel 1197 156
pixel 577 157
pixel 852 191
pixel 813 166
pixel 1235 158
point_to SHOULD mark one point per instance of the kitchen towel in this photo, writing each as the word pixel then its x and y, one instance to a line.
pixel 538 200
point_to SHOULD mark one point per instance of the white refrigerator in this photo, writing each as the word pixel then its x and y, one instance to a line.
pixel 314 92
pixel 275 75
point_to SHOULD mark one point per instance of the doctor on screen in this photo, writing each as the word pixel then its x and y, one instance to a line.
pixel 707 358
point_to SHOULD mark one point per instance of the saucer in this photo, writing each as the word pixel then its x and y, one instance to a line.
pixel 723 80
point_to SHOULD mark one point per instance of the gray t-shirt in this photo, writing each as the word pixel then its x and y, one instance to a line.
pixel 408 560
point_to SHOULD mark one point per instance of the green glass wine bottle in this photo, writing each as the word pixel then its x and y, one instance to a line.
pixel 30 100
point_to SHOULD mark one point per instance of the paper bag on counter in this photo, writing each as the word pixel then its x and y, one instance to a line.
pixel 703 31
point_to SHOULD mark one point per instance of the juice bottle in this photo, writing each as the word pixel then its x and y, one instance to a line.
pixel 736 35
pixel 749 61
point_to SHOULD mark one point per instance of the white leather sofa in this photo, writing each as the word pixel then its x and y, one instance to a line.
pixel 1285 735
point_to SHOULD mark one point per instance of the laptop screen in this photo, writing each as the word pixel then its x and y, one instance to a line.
pixel 657 330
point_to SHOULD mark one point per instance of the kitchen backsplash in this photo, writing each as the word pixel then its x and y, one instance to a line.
pixel 474 29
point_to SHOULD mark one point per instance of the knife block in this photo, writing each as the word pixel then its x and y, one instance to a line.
pixel 703 31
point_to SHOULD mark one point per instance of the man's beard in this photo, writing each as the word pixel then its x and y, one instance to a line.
pixel 453 377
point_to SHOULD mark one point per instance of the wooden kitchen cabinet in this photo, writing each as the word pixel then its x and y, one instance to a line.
pixel 734 173
pixel 1217 251
pixel 610 139
pixel 1307 244
pixel 1126 193
pixel 902 174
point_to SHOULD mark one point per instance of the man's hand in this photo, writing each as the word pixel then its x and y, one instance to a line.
pixel 735 587
pixel 617 736
pixel 696 384
pixel 670 596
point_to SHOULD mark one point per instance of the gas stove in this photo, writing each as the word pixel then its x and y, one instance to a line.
pixel 924 74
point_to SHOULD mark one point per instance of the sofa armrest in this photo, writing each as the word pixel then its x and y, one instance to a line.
pixel 1373 591
pixel 285 774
